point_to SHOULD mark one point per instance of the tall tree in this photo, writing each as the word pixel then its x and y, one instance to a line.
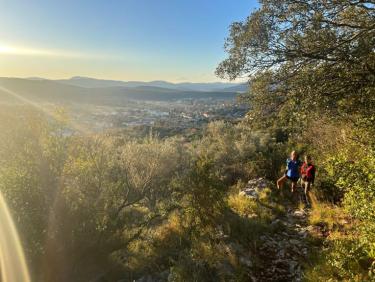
pixel 306 56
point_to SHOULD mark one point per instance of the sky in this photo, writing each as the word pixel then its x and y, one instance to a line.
pixel 173 40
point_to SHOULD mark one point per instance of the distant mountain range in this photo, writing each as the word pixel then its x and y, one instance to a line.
pixel 88 82
pixel 110 92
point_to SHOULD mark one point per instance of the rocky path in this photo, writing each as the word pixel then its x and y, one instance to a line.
pixel 278 255
pixel 285 250
pixel 282 251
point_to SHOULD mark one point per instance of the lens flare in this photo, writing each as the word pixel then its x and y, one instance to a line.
pixel 13 267
pixel 49 113
pixel 12 259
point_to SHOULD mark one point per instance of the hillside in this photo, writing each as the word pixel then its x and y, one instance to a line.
pixel 132 181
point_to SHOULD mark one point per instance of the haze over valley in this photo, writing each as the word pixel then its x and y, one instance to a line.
pixel 100 104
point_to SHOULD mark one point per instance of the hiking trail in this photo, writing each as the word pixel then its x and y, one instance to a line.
pixel 283 251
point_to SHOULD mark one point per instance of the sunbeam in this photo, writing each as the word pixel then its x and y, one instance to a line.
pixel 73 125
pixel 12 258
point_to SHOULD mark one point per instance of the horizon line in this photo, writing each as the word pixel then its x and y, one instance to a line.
pixel 120 80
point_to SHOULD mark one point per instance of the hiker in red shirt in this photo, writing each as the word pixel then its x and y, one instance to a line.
pixel 307 177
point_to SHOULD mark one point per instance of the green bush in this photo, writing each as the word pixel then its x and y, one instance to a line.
pixel 350 256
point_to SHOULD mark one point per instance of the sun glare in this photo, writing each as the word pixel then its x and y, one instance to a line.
pixel 45 109
pixel 6 49
pixel 13 50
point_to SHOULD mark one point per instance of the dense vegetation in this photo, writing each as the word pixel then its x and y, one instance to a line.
pixel 111 206
pixel 89 206
pixel 312 71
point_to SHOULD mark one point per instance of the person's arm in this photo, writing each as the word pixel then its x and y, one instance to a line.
pixel 313 174
pixel 287 166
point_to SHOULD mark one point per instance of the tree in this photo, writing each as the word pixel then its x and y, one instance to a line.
pixel 306 56
pixel 112 193
pixel 32 154
pixel 312 71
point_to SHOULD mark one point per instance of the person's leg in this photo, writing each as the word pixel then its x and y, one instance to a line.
pixel 280 182
pixel 300 184
pixel 294 185
pixel 307 192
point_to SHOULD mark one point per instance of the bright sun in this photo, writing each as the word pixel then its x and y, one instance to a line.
pixel 12 50
pixel 31 51
pixel 7 49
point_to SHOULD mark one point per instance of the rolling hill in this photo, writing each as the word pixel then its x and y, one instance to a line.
pixel 39 90
pixel 88 82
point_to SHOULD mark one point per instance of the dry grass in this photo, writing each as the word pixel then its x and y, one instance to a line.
pixel 326 214
pixel 243 206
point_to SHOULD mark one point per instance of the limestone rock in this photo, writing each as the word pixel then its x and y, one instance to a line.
pixel 254 186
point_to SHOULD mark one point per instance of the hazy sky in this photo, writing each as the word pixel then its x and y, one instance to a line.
pixel 175 40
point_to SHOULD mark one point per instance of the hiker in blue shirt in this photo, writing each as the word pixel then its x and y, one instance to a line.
pixel 293 165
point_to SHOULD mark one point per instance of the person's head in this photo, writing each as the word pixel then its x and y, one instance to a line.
pixel 293 155
pixel 308 159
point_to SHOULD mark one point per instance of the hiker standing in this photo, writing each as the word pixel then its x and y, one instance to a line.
pixel 307 177
pixel 293 165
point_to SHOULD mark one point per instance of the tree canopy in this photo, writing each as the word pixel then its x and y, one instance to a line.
pixel 320 52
